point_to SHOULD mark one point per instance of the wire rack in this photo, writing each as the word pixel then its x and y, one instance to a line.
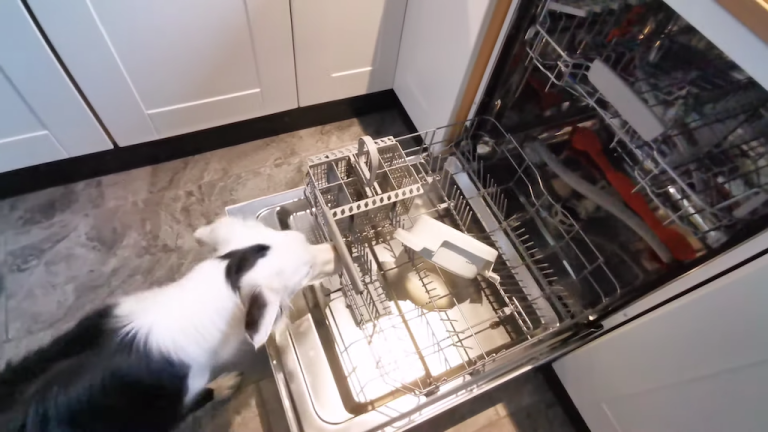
pixel 706 170
pixel 449 328
pixel 559 257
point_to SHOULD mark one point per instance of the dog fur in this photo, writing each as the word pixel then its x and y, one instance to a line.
pixel 144 362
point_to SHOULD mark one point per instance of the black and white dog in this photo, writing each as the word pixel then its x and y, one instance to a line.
pixel 144 362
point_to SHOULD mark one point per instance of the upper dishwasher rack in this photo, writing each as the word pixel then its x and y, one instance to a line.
pixel 549 275
pixel 707 167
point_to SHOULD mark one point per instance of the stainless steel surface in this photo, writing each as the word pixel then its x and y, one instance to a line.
pixel 393 338
pixel 707 171
pixel 524 277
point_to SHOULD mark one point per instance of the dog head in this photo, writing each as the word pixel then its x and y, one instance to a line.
pixel 266 267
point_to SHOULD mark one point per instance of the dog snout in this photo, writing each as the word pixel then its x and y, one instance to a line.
pixel 326 261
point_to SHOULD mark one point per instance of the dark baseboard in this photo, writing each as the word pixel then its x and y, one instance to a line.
pixel 106 162
pixel 561 394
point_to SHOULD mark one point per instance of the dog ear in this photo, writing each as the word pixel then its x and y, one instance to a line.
pixel 260 315
pixel 240 262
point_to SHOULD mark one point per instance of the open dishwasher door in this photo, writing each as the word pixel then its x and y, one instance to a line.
pixel 396 339
pixel 698 363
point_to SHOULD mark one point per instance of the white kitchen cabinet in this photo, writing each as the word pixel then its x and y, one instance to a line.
pixel 437 52
pixel 697 364
pixel 154 69
pixel 345 48
pixel 42 118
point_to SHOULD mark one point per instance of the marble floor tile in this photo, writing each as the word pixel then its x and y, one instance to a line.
pixel 256 183
pixel 251 156
pixel 55 272
pixel 3 299
pixel 541 417
pixel 47 269
pixel 381 125
pixel 44 206
pixel 480 420
pixel 142 182
pixel 300 144
pixel 165 223
pixel 3 313
pixel 523 404
pixel 217 164
pixel 503 424
pixel 74 199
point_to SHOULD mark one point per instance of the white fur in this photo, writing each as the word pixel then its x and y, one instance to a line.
pixel 199 319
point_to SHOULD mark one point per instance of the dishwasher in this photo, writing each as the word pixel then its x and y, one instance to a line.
pixel 618 150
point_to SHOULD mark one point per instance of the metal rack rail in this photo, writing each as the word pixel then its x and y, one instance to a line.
pixel 453 327
pixel 705 170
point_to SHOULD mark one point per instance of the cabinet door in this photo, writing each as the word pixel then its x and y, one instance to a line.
pixel 42 118
pixel 154 69
pixel 697 364
pixel 437 52
pixel 345 48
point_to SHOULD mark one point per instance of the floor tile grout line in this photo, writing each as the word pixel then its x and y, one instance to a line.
pixel 7 335
pixel 6 332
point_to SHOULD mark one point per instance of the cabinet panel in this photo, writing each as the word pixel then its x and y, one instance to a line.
pixel 23 139
pixel 699 363
pixel 345 48
pixel 42 118
pixel 16 118
pixel 26 150
pixel 437 55
pixel 155 69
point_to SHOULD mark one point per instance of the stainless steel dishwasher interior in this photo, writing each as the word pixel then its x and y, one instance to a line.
pixel 366 381
pixel 357 395
pixel 415 337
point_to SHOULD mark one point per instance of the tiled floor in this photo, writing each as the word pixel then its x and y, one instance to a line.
pixel 66 250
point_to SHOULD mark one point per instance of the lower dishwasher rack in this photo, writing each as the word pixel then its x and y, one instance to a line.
pixel 394 339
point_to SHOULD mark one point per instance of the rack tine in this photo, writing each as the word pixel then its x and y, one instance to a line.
pixel 444 181
pixel 467 219
pixel 454 194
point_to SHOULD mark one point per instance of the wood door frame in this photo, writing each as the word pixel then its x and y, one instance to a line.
pixel 482 60
pixel 752 13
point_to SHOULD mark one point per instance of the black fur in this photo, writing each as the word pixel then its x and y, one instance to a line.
pixel 88 379
pixel 240 261
pixel 90 332
pixel 254 310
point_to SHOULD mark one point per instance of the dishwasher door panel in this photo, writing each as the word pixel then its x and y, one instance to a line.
pixel 699 363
